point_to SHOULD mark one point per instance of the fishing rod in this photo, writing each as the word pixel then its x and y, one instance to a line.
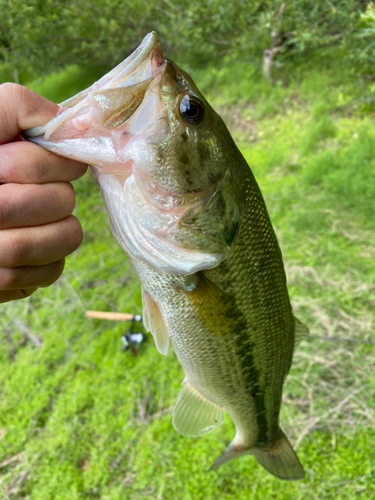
pixel 130 339
pixel 111 316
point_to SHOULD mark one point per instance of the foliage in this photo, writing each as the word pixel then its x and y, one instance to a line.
pixel 42 36
pixel 79 419
pixel 320 23
pixel 366 32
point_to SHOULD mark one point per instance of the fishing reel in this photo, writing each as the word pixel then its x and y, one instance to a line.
pixel 132 340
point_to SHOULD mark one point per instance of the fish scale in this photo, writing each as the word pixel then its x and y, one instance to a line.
pixel 263 300
pixel 186 209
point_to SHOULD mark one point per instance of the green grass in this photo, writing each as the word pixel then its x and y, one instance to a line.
pixel 92 422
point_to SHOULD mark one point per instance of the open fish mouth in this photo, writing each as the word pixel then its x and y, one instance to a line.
pixel 90 126
pixel 144 63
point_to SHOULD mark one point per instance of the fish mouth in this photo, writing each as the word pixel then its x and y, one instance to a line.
pixel 91 126
pixel 144 63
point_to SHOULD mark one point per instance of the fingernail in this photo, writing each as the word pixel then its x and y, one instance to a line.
pixel 3 169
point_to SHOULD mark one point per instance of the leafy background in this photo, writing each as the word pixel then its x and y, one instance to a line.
pixel 79 418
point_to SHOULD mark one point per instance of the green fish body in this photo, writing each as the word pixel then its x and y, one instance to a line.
pixel 185 207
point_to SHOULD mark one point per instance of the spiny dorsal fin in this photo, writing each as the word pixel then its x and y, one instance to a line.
pixel 154 322
pixel 300 332
pixel 193 414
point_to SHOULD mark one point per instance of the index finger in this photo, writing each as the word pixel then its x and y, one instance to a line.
pixel 20 109
pixel 26 163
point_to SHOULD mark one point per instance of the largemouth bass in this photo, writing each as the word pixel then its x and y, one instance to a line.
pixel 185 207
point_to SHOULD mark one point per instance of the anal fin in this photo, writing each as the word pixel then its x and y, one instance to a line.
pixel 233 451
pixel 154 322
pixel 194 414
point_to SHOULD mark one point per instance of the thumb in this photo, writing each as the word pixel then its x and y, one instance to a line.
pixel 20 109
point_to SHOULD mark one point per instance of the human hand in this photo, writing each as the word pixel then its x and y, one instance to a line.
pixel 37 230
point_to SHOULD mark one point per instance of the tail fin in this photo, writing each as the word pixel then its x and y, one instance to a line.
pixel 280 460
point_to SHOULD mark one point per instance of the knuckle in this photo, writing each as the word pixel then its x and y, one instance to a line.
pixel 17 294
pixel 75 234
pixel 17 249
pixel 13 92
pixel 54 272
pixel 4 87
pixel 13 99
pixel 10 93
pixel 20 93
pixel 79 169
pixel 9 279
pixel 69 197
pixel 26 292
pixel 4 212
pixel 61 197
pixel 42 168
pixel 9 88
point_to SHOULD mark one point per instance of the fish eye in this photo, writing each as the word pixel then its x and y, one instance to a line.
pixel 191 110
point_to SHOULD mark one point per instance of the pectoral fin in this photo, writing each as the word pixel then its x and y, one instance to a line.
pixel 212 226
pixel 154 322
pixel 194 414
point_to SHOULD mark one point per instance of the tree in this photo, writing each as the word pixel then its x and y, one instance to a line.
pixel 45 35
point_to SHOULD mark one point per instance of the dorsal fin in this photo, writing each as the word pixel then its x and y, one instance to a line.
pixel 300 332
